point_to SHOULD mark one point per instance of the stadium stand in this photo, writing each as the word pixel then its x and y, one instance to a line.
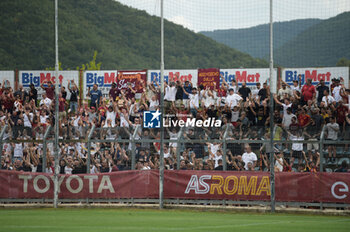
pixel 301 114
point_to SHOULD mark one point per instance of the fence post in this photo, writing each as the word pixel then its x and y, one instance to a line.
pixel 321 148
pixel 88 161
pixel 1 137
pixel 178 149
pixel 224 164
pixel 133 150
pixel 321 155
pixel 45 148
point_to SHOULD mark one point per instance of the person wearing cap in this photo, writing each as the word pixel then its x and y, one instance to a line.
pixel 296 84
pixel 50 89
pixel 284 92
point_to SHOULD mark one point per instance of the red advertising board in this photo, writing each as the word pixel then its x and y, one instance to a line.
pixel 207 77
pixel 211 185
pixel 217 185
pixel 132 77
pixel 126 184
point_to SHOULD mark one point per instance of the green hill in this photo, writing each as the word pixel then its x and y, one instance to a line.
pixel 297 43
pixel 256 40
pixel 320 45
pixel 125 38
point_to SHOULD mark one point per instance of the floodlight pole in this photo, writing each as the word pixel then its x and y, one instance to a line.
pixel 161 155
pixel 272 91
pixel 55 180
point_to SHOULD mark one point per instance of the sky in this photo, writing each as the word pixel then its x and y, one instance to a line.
pixel 208 15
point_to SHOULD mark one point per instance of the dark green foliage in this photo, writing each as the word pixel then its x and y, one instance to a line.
pixel 321 45
pixel 298 43
pixel 256 40
pixel 125 38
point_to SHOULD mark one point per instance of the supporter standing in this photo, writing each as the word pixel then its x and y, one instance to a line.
pixel 336 91
pixel 194 101
pixel 249 157
pixel 114 92
pixel 96 96
pixel 33 94
pixel 244 91
pixel 321 87
pixel 74 95
pixel 284 92
pixel 332 135
pixel 233 99
pixel 308 91
pixel 50 89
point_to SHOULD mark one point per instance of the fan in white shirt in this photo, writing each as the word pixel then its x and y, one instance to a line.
pixel 336 93
pixel 249 157
pixel 170 92
pixel 233 99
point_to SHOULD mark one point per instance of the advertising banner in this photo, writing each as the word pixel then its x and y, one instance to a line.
pixel 298 187
pixel 174 75
pixel 38 77
pixel 316 74
pixel 126 184
pixel 7 79
pixel 103 79
pixel 211 185
pixel 250 76
pixel 217 185
pixel 207 77
pixel 132 77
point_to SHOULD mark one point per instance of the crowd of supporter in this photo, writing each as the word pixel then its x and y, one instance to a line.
pixel 300 113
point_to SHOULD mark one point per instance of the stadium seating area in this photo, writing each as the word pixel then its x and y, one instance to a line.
pixel 303 115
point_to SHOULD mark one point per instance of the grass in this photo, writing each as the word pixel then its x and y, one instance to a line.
pixel 86 220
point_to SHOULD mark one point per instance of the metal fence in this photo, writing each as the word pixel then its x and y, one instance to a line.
pixel 192 151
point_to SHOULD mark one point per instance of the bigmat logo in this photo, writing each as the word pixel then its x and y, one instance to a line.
pixel 230 185
pixel 250 76
pixel 174 75
pixel 315 74
pixel 101 78
pixel 37 79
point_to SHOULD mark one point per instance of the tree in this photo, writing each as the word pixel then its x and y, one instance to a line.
pixel 92 64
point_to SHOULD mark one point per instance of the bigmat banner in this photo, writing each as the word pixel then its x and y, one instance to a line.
pixel 7 78
pixel 250 76
pixel 174 75
pixel 103 79
pixel 301 187
pixel 38 77
pixel 316 74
